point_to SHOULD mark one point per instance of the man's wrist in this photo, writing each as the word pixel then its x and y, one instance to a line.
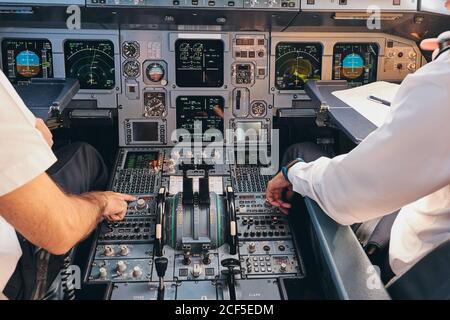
pixel 285 169
pixel 99 200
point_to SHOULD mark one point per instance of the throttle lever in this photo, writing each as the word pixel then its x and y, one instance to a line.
pixel 232 225
pixel 160 218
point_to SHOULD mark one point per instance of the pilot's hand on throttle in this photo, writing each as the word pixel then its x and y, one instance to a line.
pixel 115 205
pixel 43 129
pixel 277 188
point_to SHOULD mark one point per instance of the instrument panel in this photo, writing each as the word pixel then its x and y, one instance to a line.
pixel 196 226
pixel 154 104
pixel 91 62
pixel 24 59
pixel 148 75
pixel 296 63
pixel 200 113
pixel 141 160
pixel 355 62
pixel 199 63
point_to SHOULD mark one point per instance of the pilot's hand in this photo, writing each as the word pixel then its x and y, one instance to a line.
pixel 43 129
pixel 278 190
pixel 114 205
pixel 431 44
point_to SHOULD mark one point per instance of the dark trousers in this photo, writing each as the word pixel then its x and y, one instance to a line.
pixel 79 169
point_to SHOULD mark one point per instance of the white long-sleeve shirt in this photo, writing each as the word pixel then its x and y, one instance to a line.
pixel 403 164
pixel 24 155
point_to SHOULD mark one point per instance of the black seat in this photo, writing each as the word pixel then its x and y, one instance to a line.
pixel 428 279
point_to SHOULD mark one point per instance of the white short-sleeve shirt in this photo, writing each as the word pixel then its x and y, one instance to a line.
pixel 24 155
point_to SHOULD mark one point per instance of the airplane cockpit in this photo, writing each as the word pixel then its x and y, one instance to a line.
pixel 194 106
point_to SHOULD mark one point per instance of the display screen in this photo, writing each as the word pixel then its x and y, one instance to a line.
pixel 296 63
pixel 145 131
pixel 355 62
pixel 141 160
pixel 204 111
pixel 24 59
pixel 199 63
pixel 248 130
pixel 91 62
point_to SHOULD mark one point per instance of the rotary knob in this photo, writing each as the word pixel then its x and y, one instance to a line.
pixel 196 271
pixel 412 67
pixel 217 155
pixel 252 247
pixel 108 251
pixel 102 273
pixel 121 266
pixel 176 155
pixel 172 162
pixel 141 204
pixel 124 250
pixel 137 272
pixel 283 267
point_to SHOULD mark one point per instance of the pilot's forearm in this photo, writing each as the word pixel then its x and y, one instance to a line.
pixel 91 205
pixel 47 217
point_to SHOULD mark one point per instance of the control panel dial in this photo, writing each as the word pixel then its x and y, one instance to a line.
pixel 259 109
pixel 130 50
pixel 131 69
pixel 154 104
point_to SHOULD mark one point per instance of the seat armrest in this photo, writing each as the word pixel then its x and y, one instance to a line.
pixel 352 274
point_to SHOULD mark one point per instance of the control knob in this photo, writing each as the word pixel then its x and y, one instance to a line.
pixel 171 165
pixel 283 267
pixel 137 272
pixel 141 204
pixel 196 271
pixel 121 266
pixel 411 66
pixel 217 155
pixel 124 250
pixel 176 155
pixel 108 251
pixel 252 247
pixel 102 273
